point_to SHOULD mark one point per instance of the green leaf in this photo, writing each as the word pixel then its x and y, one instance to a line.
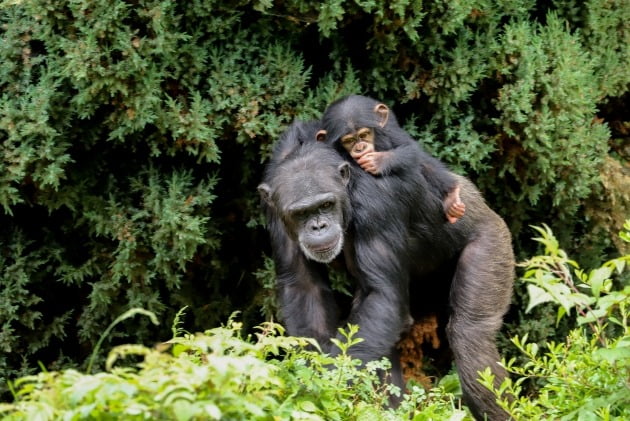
pixel 560 314
pixel 612 355
pixel 597 278
pixel 307 406
pixel 537 296
pixel 183 410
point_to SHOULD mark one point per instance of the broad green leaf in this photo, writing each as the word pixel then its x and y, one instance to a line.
pixel 307 406
pixel 613 355
pixel 597 278
pixel 537 296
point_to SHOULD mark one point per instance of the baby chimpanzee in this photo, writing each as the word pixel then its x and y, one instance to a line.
pixel 361 125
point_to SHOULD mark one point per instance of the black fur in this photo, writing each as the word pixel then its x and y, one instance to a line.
pixel 406 260
pixel 355 111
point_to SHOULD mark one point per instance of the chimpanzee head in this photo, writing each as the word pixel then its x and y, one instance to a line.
pixel 306 190
pixel 355 120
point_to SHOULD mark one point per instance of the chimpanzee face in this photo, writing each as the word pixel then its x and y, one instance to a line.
pixel 317 221
pixel 352 120
pixel 311 204
pixel 359 143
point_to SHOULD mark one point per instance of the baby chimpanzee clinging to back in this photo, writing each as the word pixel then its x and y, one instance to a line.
pixel 369 132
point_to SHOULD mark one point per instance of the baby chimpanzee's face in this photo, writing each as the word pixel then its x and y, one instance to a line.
pixel 359 142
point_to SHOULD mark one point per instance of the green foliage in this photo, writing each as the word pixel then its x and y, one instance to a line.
pixel 119 129
pixel 584 377
pixel 133 135
pixel 581 380
pixel 24 326
pixel 591 294
pixel 547 105
pixel 604 30
pixel 119 319
pixel 221 375
pixel 267 300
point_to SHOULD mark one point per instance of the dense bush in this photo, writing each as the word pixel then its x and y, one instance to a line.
pixel 132 136
pixel 222 375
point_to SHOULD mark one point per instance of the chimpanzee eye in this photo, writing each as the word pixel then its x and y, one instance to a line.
pixel 348 141
pixel 327 205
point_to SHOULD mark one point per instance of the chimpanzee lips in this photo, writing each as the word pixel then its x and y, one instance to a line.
pixel 326 247
pixel 324 253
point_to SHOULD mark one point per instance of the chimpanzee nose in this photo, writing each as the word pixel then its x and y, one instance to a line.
pixel 319 225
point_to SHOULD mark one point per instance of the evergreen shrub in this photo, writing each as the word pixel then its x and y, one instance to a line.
pixel 133 135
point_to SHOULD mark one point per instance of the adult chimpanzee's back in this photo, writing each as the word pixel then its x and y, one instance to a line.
pixel 397 246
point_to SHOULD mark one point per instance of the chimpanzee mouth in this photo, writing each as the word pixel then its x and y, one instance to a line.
pixel 326 248
pixel 325 253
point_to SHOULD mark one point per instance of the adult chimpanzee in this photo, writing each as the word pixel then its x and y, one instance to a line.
pixel 391 231
pixel 370 134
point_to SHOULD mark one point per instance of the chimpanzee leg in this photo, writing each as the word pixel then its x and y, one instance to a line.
pixel 480 295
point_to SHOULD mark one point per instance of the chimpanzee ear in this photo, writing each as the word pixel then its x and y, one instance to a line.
pixel 321 135
pixel 265 193
pixel 344 171
pixel 382 114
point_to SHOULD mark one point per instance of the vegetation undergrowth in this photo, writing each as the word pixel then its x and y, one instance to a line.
pixel 221 374
pixel 587 376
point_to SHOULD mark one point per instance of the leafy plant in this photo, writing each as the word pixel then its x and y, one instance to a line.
pixel 221 375
pixel 553 277
pixel 133 135
pixel 586 376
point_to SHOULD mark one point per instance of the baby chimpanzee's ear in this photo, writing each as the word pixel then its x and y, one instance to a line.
pixel 321 135
pixel 382 113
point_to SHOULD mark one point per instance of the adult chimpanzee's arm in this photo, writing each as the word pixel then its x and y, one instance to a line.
pixel 307 304
pixel 380 307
